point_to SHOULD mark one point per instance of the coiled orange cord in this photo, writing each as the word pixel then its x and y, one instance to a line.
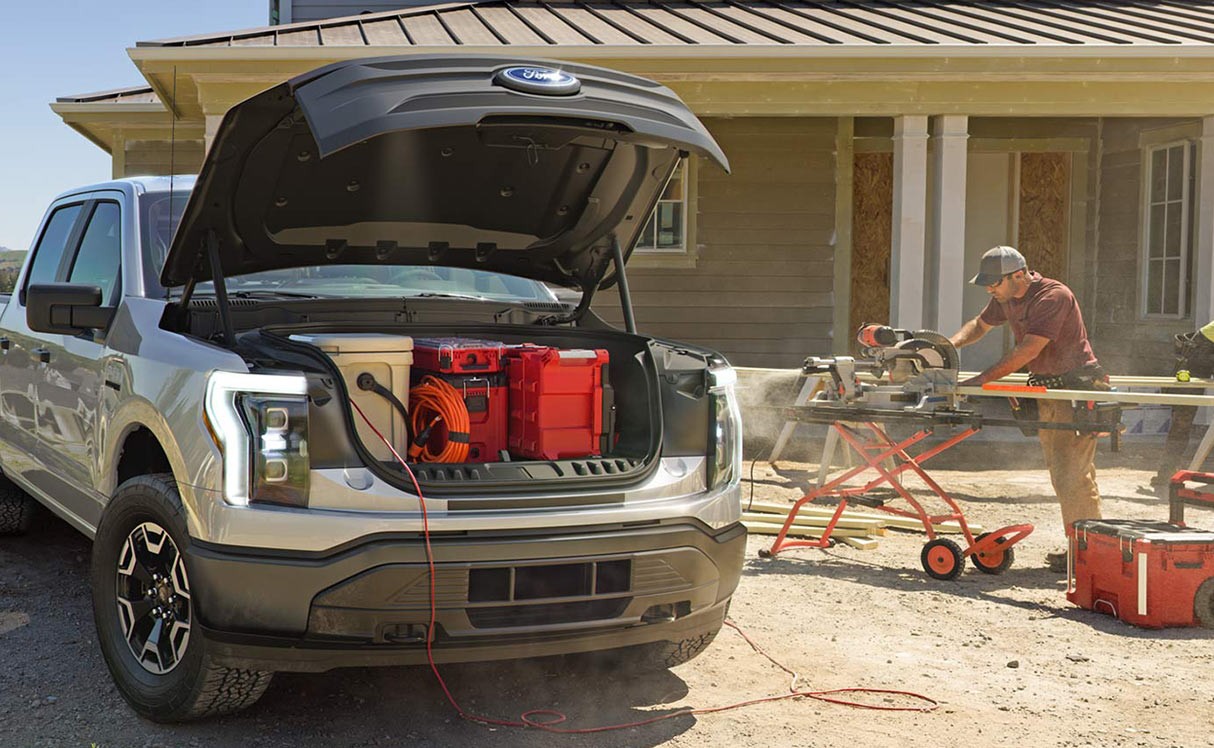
pixel 431 402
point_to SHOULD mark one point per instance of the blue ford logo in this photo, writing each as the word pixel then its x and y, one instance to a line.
pixel 538 80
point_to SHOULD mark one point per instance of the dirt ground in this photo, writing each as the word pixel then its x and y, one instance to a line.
pixel 1009 660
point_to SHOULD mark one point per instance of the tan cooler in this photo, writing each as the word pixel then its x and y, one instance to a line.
pixel 388 359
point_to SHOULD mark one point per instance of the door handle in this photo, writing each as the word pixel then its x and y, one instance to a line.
pixel 43 354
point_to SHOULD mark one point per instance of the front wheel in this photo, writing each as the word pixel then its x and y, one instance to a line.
pixel 146 616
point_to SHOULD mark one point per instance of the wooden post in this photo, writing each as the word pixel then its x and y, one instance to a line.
pixel 1203 273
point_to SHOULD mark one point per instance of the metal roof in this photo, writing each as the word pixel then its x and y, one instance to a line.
pixel 691 23
pixel 132 95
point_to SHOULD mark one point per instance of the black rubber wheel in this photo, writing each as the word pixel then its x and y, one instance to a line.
pixel 1203 603
pixel 942 559
pixel 993 563
pixel 16 509
pixel 145 614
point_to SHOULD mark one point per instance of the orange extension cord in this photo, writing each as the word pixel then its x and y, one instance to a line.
pixel 431 402
pixel 548 719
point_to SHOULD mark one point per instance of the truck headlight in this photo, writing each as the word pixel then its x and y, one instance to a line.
pixel 260 424
pixel 725 439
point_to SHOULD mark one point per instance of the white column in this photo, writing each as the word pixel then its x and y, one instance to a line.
pixel 910 222
pixel 211 125
pixel 118 155
pixel 951 132
pixel 1203 273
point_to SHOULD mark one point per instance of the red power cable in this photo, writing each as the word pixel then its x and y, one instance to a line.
pixel 533 717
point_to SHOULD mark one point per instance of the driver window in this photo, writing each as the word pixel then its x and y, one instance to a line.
pixel 98 261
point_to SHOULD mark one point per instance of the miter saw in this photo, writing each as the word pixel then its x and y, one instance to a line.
pixel 897 369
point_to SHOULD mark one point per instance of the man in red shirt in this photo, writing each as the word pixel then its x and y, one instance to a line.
pixel 1052 342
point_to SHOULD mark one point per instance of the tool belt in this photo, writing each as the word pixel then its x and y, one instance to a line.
pixel 1089 415
pixel 1090 377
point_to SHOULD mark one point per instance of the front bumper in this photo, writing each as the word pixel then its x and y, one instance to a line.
pixel 496 596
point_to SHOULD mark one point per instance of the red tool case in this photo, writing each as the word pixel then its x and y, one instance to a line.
pixel 458 355
pixel 475 369
pixel 1150 574
pixel 561 402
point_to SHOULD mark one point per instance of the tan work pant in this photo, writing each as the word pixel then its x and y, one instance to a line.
pixel 1070 459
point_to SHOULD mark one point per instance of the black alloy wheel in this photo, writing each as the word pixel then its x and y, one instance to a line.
pixel 153 598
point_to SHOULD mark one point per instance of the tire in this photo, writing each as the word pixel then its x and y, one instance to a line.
pixel 652 657
pixel 1203 603
pixel 140 585
pixel 996 563
pixel 17 509
pixel 942 559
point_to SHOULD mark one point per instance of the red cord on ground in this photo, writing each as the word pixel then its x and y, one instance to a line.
pixel 534 718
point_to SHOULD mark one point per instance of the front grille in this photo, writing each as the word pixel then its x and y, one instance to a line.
pixel 506 616
pixel 508 584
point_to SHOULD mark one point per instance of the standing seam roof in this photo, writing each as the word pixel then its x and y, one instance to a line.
pixel 562 23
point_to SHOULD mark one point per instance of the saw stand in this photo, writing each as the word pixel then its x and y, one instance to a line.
pixel 941 558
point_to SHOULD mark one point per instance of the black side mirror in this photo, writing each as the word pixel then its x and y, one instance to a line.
pixel 65 308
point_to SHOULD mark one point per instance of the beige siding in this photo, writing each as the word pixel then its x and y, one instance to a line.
pixel 1124 342
pixel 762 288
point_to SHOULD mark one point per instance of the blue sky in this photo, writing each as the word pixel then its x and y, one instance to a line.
pixel 65 48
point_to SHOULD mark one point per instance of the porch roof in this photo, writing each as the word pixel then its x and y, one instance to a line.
pixel 829 24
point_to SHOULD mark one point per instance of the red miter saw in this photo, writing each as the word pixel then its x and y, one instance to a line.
pixel 906 370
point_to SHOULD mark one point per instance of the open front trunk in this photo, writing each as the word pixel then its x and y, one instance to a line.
pixel 602 429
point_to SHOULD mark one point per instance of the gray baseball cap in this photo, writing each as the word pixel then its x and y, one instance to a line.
pixel 996 263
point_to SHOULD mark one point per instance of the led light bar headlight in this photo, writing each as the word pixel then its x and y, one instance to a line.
pixel 260 423
pixel 725 439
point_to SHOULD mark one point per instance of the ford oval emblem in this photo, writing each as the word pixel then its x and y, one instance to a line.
pixel 529 79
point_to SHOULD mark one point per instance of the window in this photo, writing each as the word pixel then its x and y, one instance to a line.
pixel 666 229
pixel 48 255
pixel 98 260
pixel 1167 230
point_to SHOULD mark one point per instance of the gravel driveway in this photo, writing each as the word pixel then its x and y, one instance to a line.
pixel 1009 660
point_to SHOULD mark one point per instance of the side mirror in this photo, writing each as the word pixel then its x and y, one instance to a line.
pixel 65 308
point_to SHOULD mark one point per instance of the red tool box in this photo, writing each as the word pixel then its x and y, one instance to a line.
pixel 486 399
pixel 458 355
pixel 1150 574
pixel 561 402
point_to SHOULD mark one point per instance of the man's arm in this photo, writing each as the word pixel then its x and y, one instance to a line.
pixel 1025 351
pixel 970 332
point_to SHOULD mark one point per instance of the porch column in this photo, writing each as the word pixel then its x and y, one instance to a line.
pixel 118 156
pixel 910 222
pixel 951 131
pixel 211 128
pixel 1203 273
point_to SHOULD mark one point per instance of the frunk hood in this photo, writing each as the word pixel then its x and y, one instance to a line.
pixel 520 167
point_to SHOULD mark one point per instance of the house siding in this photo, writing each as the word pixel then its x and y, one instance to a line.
pixel 316 10
pixel 762 287
pixel 1123 341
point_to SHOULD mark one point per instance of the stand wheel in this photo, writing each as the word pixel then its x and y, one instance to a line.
pixel 992 562
pixel 1203 603
pixel 942 559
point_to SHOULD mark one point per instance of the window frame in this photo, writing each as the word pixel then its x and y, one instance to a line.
pixel 686 255
pixel 1186 249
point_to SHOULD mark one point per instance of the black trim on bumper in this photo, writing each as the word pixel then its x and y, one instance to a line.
pixel 356 607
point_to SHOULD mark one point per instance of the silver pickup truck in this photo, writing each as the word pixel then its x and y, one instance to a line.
pixel 180 358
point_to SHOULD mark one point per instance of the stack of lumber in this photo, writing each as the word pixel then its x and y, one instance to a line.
pixel 857 529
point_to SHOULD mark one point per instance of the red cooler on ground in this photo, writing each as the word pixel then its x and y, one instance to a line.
pixel 560 402
pixel 1149 574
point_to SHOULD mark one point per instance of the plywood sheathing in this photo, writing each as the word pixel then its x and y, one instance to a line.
pixel 1044 206
pixel 872 224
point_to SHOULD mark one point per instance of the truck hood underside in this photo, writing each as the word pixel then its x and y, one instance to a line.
pixel 444 160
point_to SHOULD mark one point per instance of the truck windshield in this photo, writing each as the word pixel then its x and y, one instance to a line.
pixel 161 213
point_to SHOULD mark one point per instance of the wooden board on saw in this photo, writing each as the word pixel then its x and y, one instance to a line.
pixel 887 520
